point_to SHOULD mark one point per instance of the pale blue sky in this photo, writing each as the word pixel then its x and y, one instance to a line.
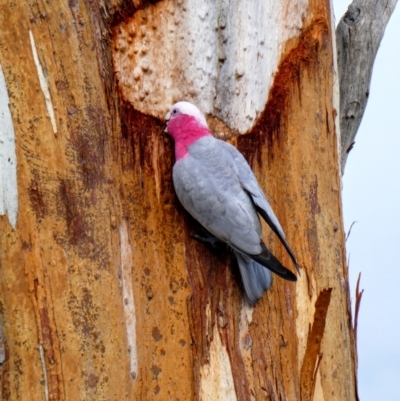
pixel 371 197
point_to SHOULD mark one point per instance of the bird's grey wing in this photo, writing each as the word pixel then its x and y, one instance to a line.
pixel 250 184
pixel 209 190
pixel 256 278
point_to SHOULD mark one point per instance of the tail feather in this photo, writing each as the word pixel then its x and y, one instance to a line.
pixel 267 259
pixel 256 278
pixel 265 216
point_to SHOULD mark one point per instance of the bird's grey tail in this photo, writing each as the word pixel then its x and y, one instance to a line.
pixel 256 278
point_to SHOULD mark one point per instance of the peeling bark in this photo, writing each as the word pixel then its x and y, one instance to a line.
pixel 358 36
pixel 313 355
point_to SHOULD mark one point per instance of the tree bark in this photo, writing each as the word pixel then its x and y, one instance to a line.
pixel 358 35
pixel 104 294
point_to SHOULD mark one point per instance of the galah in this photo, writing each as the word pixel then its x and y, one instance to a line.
pixel 217 187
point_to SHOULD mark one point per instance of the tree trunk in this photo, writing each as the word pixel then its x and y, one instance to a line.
pixel 104 294
pixel 358 34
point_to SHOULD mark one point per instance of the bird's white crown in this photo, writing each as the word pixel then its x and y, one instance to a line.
pixel 188 109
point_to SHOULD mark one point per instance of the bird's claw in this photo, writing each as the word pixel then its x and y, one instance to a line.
pixel 209 239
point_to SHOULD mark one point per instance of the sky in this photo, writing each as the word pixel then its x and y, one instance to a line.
pixel 371 198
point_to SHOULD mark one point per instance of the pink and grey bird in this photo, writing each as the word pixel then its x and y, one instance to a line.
pixel 217 187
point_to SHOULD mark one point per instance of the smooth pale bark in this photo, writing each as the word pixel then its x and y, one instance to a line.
pixel 358 35
pixel 104 294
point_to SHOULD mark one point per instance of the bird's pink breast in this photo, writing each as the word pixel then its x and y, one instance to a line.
pixel 185 130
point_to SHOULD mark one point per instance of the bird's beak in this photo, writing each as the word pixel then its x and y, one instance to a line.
pixel 167 117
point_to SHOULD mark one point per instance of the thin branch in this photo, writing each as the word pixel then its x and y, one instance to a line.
pixel 349 232
pixel 357 307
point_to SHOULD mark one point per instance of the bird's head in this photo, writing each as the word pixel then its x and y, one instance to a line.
pixel 186 123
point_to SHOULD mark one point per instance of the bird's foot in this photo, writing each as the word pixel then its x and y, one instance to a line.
pixel 208 238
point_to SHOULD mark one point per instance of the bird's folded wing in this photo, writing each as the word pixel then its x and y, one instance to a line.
pixel 207 186
pixel 250 184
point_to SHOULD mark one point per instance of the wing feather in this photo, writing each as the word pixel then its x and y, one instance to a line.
pixel 207 185
pixel 250 184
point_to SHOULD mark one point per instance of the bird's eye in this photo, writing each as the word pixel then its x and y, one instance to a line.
pixel 174 111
